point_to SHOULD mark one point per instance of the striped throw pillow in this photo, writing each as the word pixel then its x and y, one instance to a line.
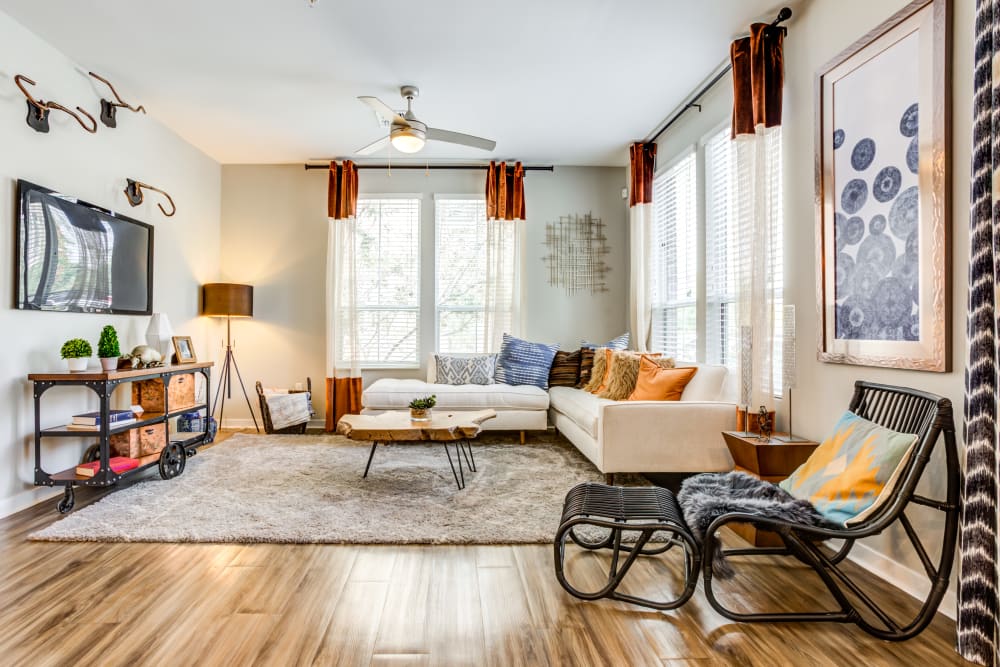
pixel 586 366
pixel 522 362
pixel 565 370
pixel 617 343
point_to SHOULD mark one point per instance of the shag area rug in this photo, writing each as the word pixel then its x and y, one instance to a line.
pixel 309 489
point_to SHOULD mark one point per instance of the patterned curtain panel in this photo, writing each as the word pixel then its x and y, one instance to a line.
pixel 977 592
pixel 343 381
pixel 640 219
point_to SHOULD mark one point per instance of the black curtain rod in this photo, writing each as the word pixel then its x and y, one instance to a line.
pixel 783 16
pixel 429 167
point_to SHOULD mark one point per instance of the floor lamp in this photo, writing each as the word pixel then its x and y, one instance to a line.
pixel 228 300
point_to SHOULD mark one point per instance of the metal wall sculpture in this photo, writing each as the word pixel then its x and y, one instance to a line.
pixel 577 247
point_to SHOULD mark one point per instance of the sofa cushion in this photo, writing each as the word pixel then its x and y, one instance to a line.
pixel 707 384
pixel 565 371
pixel 656 383
pixel 395 394
pixel 586 366
pixel 522 362
pixel 616 343
pixel 475 369
pixel 580 406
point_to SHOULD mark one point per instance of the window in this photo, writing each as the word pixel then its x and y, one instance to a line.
pixel 777 277
pixel 460 280
pixel 722 298
pixel 388 273
pixel 675 262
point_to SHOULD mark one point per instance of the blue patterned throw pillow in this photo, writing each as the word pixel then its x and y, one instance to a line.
pixel 524 362
pixel 618 343
pixel 470 369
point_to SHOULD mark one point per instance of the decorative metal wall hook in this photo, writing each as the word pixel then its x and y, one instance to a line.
pixel 109 108
pixel 38 110
pixel 134 193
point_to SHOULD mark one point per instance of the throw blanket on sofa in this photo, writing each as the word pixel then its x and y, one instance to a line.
pixel 703 498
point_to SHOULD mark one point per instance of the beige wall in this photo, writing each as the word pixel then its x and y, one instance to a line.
pixel 274 235
pixel 92 167
pixel 819 31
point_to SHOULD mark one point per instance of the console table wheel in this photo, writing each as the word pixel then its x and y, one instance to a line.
pixel 172 460
pixel 68 500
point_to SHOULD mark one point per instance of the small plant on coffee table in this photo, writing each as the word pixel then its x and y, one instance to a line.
pixel 420 408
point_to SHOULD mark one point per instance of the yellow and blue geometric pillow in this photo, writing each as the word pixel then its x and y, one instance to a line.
pixel 854 471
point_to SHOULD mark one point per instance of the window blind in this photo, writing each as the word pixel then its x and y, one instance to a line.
pixel 674 262
pixel 721 259
pixel 460 280
pixel 387 251
pixel 777 274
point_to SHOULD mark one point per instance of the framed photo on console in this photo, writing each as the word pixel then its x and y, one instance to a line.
pixel 184 350
pixel 883 195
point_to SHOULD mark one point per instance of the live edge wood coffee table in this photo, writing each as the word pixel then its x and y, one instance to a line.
pixel 444 427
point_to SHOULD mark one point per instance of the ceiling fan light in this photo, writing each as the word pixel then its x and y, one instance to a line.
pixel 408 140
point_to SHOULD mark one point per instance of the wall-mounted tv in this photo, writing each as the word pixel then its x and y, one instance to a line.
pixel 76 257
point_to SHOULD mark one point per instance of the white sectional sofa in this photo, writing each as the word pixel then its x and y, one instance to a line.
pixel 518 408
pixel 651 436
pixel 617 436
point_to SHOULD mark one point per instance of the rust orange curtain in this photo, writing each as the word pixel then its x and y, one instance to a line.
pixel 342 192
pixel 343 397
pixel 758 78
pixel 343 394
pixel 505 192
pixel 642 161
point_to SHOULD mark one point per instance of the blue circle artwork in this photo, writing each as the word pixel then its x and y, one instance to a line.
pixel 886 184
pixel 877 254
pixel 845 269
pixel 913 156
pixel 877 225
pixel 892 303
pixel 864 279
pixel 863 154
pixel 912 329
pixel 908 124
pixel 854 230
pixel 904 269
pixel 838 139
pixel 840 230
pixel 912 246
pixel 854 196
pixel 855 319
pixel 905 212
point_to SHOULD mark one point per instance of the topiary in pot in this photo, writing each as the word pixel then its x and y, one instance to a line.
pixel 76 351
pixel 108 348
pixel 420 408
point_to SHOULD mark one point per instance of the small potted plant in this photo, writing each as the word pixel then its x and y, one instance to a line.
pixel 108 348
pixel 76 352
pixel 420 408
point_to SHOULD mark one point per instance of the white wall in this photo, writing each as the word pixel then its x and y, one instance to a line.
pixel 274 234
pixel 820 30
pixel 92 167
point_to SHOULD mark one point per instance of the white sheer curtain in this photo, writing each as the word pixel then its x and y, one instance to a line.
pixel 502 303
pixel 640 220
pixel 758 216
pixel 341 299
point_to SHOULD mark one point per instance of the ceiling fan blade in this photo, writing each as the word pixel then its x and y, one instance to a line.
pixel 373 147
pixel 383 110
pixel 461 139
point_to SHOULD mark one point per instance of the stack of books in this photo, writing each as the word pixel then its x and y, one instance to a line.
pixel 91 421
pixel 118 464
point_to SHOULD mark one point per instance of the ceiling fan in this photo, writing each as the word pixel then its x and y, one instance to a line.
pixel 408 134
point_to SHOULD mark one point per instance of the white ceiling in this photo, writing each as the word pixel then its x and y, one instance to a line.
pixel 568 82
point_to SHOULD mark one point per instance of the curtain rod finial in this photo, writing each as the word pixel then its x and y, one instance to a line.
pixel 783 15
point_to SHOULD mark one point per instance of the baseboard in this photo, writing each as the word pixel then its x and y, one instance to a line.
pixel 26 499
pixel 905 579
pixel 248 423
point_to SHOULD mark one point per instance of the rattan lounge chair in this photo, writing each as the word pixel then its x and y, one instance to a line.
pixel 900 409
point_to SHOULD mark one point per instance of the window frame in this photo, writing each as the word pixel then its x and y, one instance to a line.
pixel 438 309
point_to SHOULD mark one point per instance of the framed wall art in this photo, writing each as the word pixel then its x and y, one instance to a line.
pixel 882 193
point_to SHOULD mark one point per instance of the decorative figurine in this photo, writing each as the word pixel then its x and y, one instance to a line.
pixel 764 425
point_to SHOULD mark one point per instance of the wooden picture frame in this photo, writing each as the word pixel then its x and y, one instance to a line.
pixel 883 195
pixel 184 350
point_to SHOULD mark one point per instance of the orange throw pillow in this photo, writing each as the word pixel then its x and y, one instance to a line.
pixel 660 384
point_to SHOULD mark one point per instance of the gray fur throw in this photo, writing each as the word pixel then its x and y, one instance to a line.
pixel 703 498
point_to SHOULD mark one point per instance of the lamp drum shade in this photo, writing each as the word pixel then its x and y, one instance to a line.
pixel 227 300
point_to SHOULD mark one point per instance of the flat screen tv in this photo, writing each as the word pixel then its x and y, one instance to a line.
pixel 76 257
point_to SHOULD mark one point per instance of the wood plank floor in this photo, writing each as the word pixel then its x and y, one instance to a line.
pixel 267 604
